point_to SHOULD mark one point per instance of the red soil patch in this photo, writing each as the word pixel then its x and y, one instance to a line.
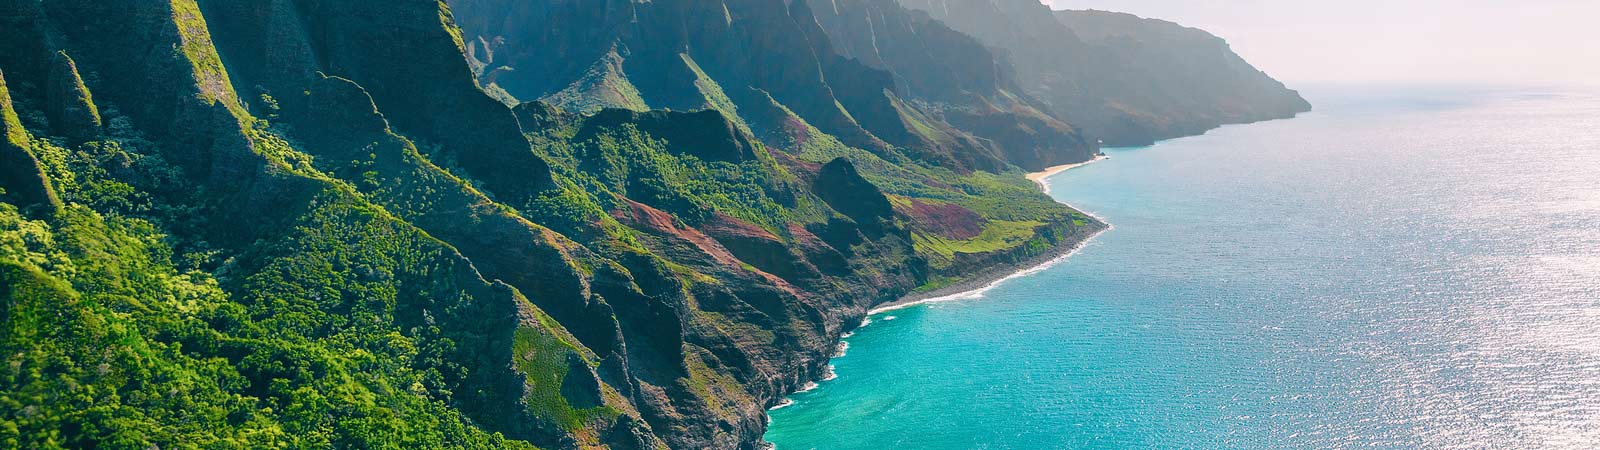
pixel 796 130
pixel 804 237
pixel 803 169
pixel 660 223
pixel 725 225
pixel 945 219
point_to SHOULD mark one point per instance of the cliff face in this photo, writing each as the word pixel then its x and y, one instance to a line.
pixel 22 182
pixel 868 72
pixel 1125 80
pixel 317 223
pixel 952 78
pixel 304 223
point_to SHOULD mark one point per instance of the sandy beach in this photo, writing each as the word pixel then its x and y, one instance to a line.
pixel 1040 176
pixel 977 284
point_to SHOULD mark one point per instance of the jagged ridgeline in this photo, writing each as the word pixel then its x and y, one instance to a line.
pixel 1126 80
pixel 868 72
pixel 342 224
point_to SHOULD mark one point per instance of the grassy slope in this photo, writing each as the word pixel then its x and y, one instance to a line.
pixel 167 305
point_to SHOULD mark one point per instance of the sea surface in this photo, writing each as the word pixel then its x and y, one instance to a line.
pixel 1405 267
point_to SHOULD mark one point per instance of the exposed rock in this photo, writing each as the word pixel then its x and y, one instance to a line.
pixel 1143 82
pixel 740 56
pixel 759 248
pixel 390 219
pixel 845 190
pixel 944 219
pixel 341 123
pixel 21 177
pixel 827 259
pixel 379 46
pixel 963 88
pixel 536 116
pixel 183 97
pixel 336 108
pixel 68 104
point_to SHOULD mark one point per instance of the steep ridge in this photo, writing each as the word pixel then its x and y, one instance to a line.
pixel 302 223
pixel 319 302
pixel 22 182
pixel 952 77
pixel 735 55
pixel 1125 80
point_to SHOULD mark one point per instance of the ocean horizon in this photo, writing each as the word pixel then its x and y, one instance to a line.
pixel 1404 267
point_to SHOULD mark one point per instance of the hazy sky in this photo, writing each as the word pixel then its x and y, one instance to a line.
pixel 1469 41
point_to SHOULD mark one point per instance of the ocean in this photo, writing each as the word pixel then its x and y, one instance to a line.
pixel 1405 267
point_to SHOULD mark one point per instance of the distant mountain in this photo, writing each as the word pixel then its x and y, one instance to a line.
pixel 1123 79
pixel 953 78
pixel 562 224
pixel 745 56
pixel 322 224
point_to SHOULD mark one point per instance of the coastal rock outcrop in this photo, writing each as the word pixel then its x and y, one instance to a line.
pixel 559 224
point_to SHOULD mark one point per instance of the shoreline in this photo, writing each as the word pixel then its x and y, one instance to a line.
pixel 1039 177
pixel 977 284
pixel 984 281
pixel 981 283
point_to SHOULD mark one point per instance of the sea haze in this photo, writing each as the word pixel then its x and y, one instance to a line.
pixel 1403 268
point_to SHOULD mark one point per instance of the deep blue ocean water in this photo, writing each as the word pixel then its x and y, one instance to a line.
pixel 1403 268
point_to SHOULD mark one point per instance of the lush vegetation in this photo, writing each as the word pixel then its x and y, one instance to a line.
pixel 109 345
pixel 320 265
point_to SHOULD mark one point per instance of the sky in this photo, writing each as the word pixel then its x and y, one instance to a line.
pixel 1524 42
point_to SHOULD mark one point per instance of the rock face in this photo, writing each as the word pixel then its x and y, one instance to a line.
pixel 318 224
pixel 954 79
pixel 283 44
pixel 846 191
pixel 68 104
pixel 868 72
pixel 23 181
pixel 1126 80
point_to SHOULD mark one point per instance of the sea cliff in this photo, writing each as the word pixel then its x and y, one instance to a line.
pixel 484 224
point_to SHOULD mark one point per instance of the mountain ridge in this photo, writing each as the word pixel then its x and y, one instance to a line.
pixel 1150 80
pixel 313 223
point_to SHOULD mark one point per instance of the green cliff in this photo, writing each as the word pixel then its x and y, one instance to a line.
pixel 1124 79
pixel 553 224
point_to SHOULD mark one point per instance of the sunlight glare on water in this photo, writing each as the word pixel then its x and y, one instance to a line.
pixel 1403 268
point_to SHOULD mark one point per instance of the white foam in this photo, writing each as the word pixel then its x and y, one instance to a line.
pixel 829 374
pixel 1040 177
pixel 982 291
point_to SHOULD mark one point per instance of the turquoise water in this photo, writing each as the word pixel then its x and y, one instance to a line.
pixel 1403 268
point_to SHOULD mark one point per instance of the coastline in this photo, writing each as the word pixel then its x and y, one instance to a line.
pixel 1039 177
pixel 978 284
